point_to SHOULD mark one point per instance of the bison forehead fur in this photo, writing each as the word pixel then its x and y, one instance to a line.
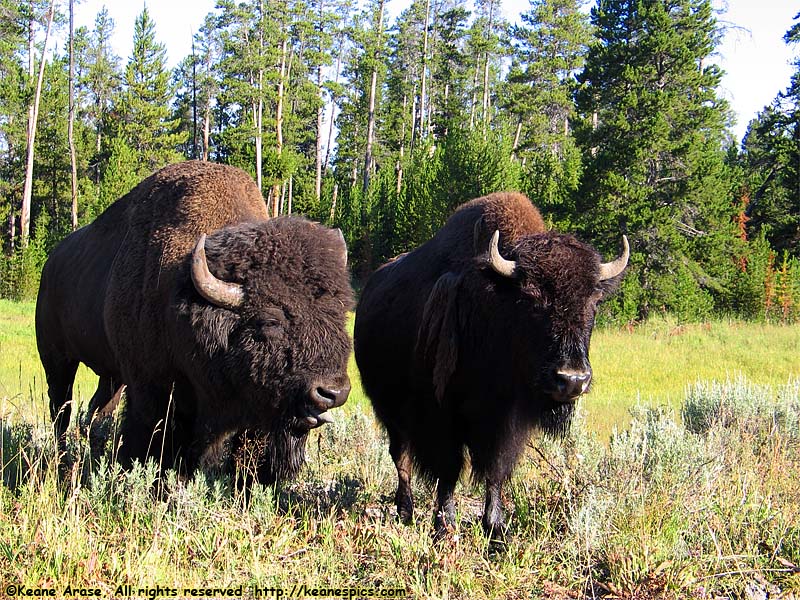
pixel 117 295
pixel 474 338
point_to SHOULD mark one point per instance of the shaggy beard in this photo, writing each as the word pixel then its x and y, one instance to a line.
pixel 261 456
pixel 556 420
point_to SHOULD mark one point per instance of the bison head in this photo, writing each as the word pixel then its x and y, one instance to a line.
pixel 520 324
pixel 266 314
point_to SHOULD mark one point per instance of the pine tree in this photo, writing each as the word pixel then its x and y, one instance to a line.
pixel 33 107
pixel 550 46
pixel 771 156
pixel 652 136
pixel 101 81
pixel 146 121
pixel 13 92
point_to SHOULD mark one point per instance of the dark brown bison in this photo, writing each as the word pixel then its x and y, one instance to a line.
pixel 221 323
pixel 473 339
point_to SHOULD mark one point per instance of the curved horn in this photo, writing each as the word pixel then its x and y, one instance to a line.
pixel 216 291
pixel 501 266
pixel 612 269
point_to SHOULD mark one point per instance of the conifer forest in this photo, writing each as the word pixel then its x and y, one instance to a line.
pixel 609 117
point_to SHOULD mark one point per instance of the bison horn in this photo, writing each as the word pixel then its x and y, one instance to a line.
pixel 216 291
pixel 612 269
pixel 501 265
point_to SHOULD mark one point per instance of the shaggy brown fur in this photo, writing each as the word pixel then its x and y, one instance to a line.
pixel 117 296
pixel 454 355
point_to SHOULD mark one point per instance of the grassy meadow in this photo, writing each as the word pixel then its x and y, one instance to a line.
pixel 679 479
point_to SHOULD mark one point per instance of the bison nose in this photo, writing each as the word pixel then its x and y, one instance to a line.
pixel 325 397
pixel 569 384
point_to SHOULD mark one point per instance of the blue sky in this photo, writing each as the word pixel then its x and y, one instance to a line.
pixel 753 54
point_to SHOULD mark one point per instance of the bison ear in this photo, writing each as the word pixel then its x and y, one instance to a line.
pixel 437 339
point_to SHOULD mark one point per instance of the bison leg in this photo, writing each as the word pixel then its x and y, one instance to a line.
pixel 494 523
pixel 146 425
pixel 102 405
pixel 401 454
pixel 60 378
pixel 445 518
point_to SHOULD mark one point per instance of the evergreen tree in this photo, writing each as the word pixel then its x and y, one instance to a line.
pixel 651 133
pixel 101 80
pixel 771 153
pixel 549 48
pixel 13 93
pixel 146 121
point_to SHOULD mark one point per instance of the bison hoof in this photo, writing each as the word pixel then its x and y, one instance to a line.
pixel 443 525
pixel 405 508
pixel 496 532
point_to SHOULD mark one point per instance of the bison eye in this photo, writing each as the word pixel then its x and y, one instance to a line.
pixel 270 323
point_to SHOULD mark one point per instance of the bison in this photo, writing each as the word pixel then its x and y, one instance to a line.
pixel 222 324
pixel 475 338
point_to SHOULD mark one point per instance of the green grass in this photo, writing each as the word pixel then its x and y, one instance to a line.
pixel 654 364
pixel 632 503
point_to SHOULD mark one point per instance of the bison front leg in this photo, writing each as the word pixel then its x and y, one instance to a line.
pixel 494 522
pixel 403 499
pixel 102 405
pixel 60 375
pixel 445 518
pixel 146 426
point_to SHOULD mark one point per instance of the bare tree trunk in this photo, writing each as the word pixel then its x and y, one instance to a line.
pixel 71 124
pixel 423 87
pixel 194 102
pixel 207 110
pixel 258 107
pixel 327 160
pixel 516 140
pixel 399 164
pixel 333 202
pixel 258 113
pixel 371 117
pixel 291 187
pixel 318 149
pixel 206 131
pixel 474 102
pixel 320 111
pixel 33 116
pixel 486 99
pixel 276 189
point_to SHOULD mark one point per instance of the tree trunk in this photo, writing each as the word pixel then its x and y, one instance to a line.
pixel 276 186
pixel 516 140
pixel 423 87
pixel 194 102
pixel 486 99
pixel 33 115
pixel 258 107
pixel 71 125
pixel 327 160
pixel 320 112
pixel 473 106
pixel 318 149
pixel 333 202
pixel 371 116
pixel 207 111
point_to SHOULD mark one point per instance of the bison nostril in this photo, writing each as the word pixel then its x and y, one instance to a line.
pixel 328 394
pixel 328 397
pixel 571 384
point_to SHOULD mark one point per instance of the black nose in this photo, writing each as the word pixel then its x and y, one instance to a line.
pixel 325 397
pixel 571 384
